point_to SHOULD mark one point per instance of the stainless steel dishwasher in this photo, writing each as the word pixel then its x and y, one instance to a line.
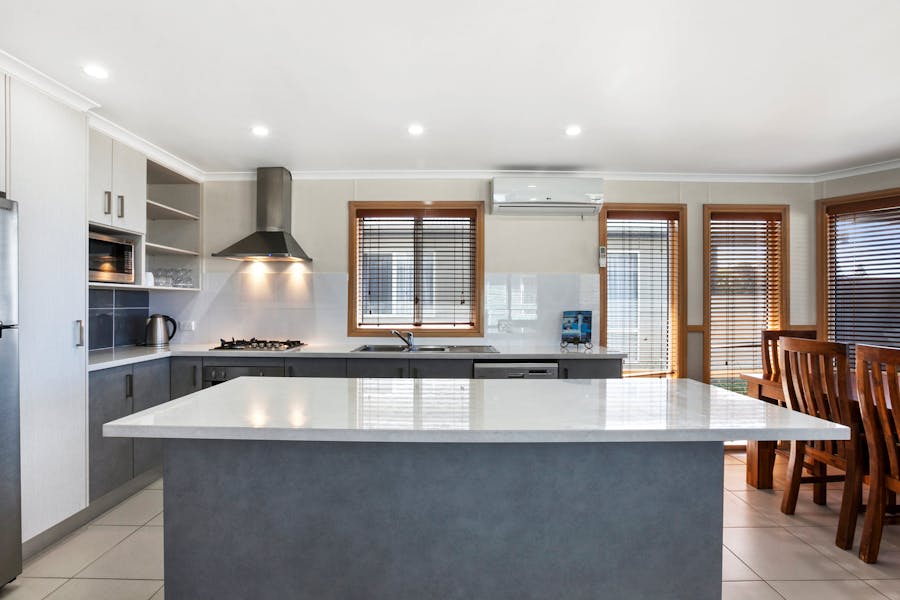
pixel 510 370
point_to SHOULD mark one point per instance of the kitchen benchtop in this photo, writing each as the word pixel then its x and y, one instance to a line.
pixel 519 351
pixel 465 411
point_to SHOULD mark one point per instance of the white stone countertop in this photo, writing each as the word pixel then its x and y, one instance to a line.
pixel 520 351
pixel 466 411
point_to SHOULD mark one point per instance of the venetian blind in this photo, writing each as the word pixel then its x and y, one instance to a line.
pixel 641 292
pixel 863 267
pixel 745 291
pixel 416 268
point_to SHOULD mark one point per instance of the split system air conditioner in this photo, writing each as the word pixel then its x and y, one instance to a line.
pixel 547 195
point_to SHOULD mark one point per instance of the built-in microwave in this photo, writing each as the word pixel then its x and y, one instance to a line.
pixel 110 258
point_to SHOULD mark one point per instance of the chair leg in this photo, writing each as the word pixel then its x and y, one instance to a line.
pixel 873 524
pixel 850 502
pixel 794 473
pixel 820 489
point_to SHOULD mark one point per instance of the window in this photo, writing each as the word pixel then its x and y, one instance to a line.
pixel 862 269
pixel 642 287
pixel 745 287
pixel 416 266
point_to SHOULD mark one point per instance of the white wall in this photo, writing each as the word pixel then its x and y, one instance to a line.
pixel 858 184
pixel 555 257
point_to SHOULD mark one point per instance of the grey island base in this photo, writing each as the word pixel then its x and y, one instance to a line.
pixel 407 521
pixel 411 489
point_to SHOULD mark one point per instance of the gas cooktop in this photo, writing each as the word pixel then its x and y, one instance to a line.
pixel 255 344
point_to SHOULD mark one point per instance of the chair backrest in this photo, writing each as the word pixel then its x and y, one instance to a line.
pixel 814 376
pixel 770 337
pixel 879 389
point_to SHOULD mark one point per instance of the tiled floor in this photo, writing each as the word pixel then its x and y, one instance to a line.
pixel 766 555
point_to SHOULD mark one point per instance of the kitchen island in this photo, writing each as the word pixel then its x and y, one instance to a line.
pixel 411 489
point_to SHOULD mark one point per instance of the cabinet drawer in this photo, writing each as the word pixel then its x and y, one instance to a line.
pixel 315 367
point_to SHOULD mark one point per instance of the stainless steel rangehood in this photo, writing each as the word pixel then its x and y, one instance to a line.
pixel 272 239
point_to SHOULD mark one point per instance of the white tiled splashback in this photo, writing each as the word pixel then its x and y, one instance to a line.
pixel 278 300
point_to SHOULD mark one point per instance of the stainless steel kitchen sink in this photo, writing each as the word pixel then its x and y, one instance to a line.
pixel 422 348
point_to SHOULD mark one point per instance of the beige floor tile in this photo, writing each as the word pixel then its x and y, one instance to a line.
pixel 156 521
pixel 749 590
pixel 888 587
pixel 774 553
pixel 735 570
pixel 160 595
pixel 156 485
pixel 737 513
pixel 106 589
pixel 736 478
pixel 732 460
pixel 77 551
pixel 807 514
pixel 29 588
pixel 826 590
pixel 136 510
pixel 140 556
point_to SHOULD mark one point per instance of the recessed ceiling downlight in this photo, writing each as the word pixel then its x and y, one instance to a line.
pixel 95 71
pixel 416 129
pixel 573 130
pixel 260 130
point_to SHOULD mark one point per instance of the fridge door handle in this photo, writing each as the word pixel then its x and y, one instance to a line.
pixel 2 327
pixel 80 327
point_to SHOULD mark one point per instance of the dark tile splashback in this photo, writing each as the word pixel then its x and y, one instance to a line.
pixel 116 317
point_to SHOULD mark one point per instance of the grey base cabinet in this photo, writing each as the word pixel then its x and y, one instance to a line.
pixel 377 367
pixel 110 459
pixel 315 367
pixel 186 376
pixel 585 368
pixel 441 368
pixel 151 388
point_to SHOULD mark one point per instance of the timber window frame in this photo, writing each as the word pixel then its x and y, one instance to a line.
pixel 460 251
pixel 842 211
pixel 676 216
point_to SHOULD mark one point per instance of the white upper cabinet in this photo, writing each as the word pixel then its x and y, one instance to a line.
pixel 117 184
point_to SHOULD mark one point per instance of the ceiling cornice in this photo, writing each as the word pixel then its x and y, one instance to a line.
pixel 16 68
pixel 151 150
pixel 853 171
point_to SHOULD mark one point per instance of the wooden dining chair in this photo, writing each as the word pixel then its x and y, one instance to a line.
pixel 814 376
pixel 878 390
pixel 770 363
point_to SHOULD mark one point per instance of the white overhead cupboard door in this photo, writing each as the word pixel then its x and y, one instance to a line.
pixel 3 128
pixel 117 184
pixel 48 164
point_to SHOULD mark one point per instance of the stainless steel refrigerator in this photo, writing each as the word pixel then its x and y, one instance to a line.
pixel 10 480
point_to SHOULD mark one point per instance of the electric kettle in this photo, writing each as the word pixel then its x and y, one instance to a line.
pixel 158 335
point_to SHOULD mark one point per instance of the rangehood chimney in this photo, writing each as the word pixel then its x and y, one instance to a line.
pixel 272 239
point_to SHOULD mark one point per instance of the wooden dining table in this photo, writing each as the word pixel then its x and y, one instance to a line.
pixel 761 454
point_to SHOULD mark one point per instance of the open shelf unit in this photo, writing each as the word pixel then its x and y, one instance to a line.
pixel 174 225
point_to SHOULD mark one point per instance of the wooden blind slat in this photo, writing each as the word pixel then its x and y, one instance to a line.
pixel 745 289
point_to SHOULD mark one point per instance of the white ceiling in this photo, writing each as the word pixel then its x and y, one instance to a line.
pixel 702 86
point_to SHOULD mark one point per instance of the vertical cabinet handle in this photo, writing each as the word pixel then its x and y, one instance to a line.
pixel 79 328
pixel 565 372
pixel 290 371
pixel 129 385
pixel 194 374
pixel 121 207
pixel 107 203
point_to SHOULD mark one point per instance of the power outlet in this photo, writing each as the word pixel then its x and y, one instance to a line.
pixel 188 325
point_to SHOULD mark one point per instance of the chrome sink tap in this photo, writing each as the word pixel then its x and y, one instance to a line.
pixel 407 337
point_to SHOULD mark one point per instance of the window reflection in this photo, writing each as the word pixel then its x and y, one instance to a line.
pixel 511 304
pixel 432 404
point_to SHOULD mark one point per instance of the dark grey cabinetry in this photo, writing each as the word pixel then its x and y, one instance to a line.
pixel 315 367
pixel 151 388
pixel 441 368
pixel 186 376
pixel 110 459
pixel 377 367
pixel 586 368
